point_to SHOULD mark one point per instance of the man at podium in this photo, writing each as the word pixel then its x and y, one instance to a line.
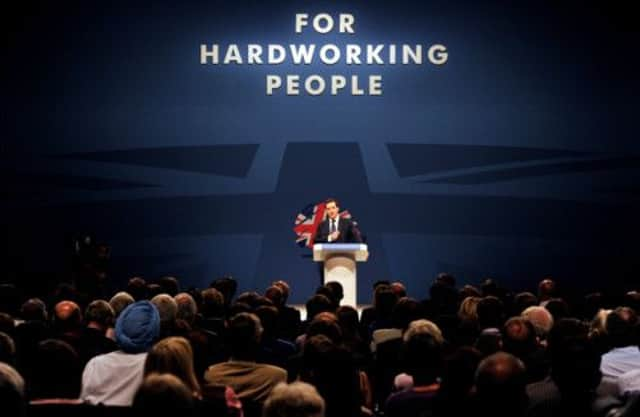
pixel 336 229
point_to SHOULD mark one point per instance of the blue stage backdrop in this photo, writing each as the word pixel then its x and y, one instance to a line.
pixel 516 158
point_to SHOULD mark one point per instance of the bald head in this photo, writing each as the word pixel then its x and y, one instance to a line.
pixel 501 385
pixel 67 311
pixel 500 375
pixel 67 317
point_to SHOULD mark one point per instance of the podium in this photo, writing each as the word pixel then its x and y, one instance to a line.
pixel 340 265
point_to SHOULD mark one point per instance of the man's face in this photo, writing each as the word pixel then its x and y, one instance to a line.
pixel 332 209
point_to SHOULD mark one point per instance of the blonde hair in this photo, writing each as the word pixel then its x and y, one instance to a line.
pixel 298 399
pixel 468 310
pixel 423 326
pixel 598 325
pixel 173 355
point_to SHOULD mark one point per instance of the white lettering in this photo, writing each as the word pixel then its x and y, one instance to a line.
pixel 213 54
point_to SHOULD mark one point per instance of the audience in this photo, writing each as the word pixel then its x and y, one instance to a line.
pixel 482 350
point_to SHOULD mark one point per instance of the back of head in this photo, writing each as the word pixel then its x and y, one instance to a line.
pixel 336 289
pixel 101 313
pixel 56 372
pixel 120 301
pixel 490 312
pixel 7 349
pixel 469 291
pixel 286 290
pixel 489 287
pixel 137 327
pixel 137 288
pixel 540 318
pixel 524 300
pixel 163 395
pixel 297 399
pixel 228 286
pixel 249 297
pixel 317 304
pixel 446 279
pixel 12 395
pixel 276 295
pixel 167 308
pixel 153 289
pixel 558 308
pixel 348 319
pixel 325 324
pixel 459 371
pixel 169 285
pixel 399 289
pixel 622 327
pixel 424 326
pixel 331 296
pixel 519 337
pixel 173 355
pixel 67 316
pixel 500 384
pixel 489 341
pixel 331 369
pixel 7 323
pixel 244 335
pixel 212 303
pixel 34 309
pixel 187 307
pixel 268 316
pixel 422 356
pixel 404 312
pixel 468 310
pixel 384 300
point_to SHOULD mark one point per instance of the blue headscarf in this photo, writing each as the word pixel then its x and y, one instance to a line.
pixel 137 327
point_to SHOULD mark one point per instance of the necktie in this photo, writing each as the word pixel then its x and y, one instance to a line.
pixel 333 225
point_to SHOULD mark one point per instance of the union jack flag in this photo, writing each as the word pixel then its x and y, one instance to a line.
pixel 307 222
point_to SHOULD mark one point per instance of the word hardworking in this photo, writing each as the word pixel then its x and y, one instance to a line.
pixel 330 54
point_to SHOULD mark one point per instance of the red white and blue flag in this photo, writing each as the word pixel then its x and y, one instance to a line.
pixel 307 221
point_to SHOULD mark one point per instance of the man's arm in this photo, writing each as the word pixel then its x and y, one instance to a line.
pixel 322 235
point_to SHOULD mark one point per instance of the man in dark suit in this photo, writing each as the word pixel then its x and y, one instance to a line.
pixel 336 229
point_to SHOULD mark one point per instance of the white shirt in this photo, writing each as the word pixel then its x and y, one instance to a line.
pixel 629 382
pixel 113 378
pixel 337 220
pixel 619 361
